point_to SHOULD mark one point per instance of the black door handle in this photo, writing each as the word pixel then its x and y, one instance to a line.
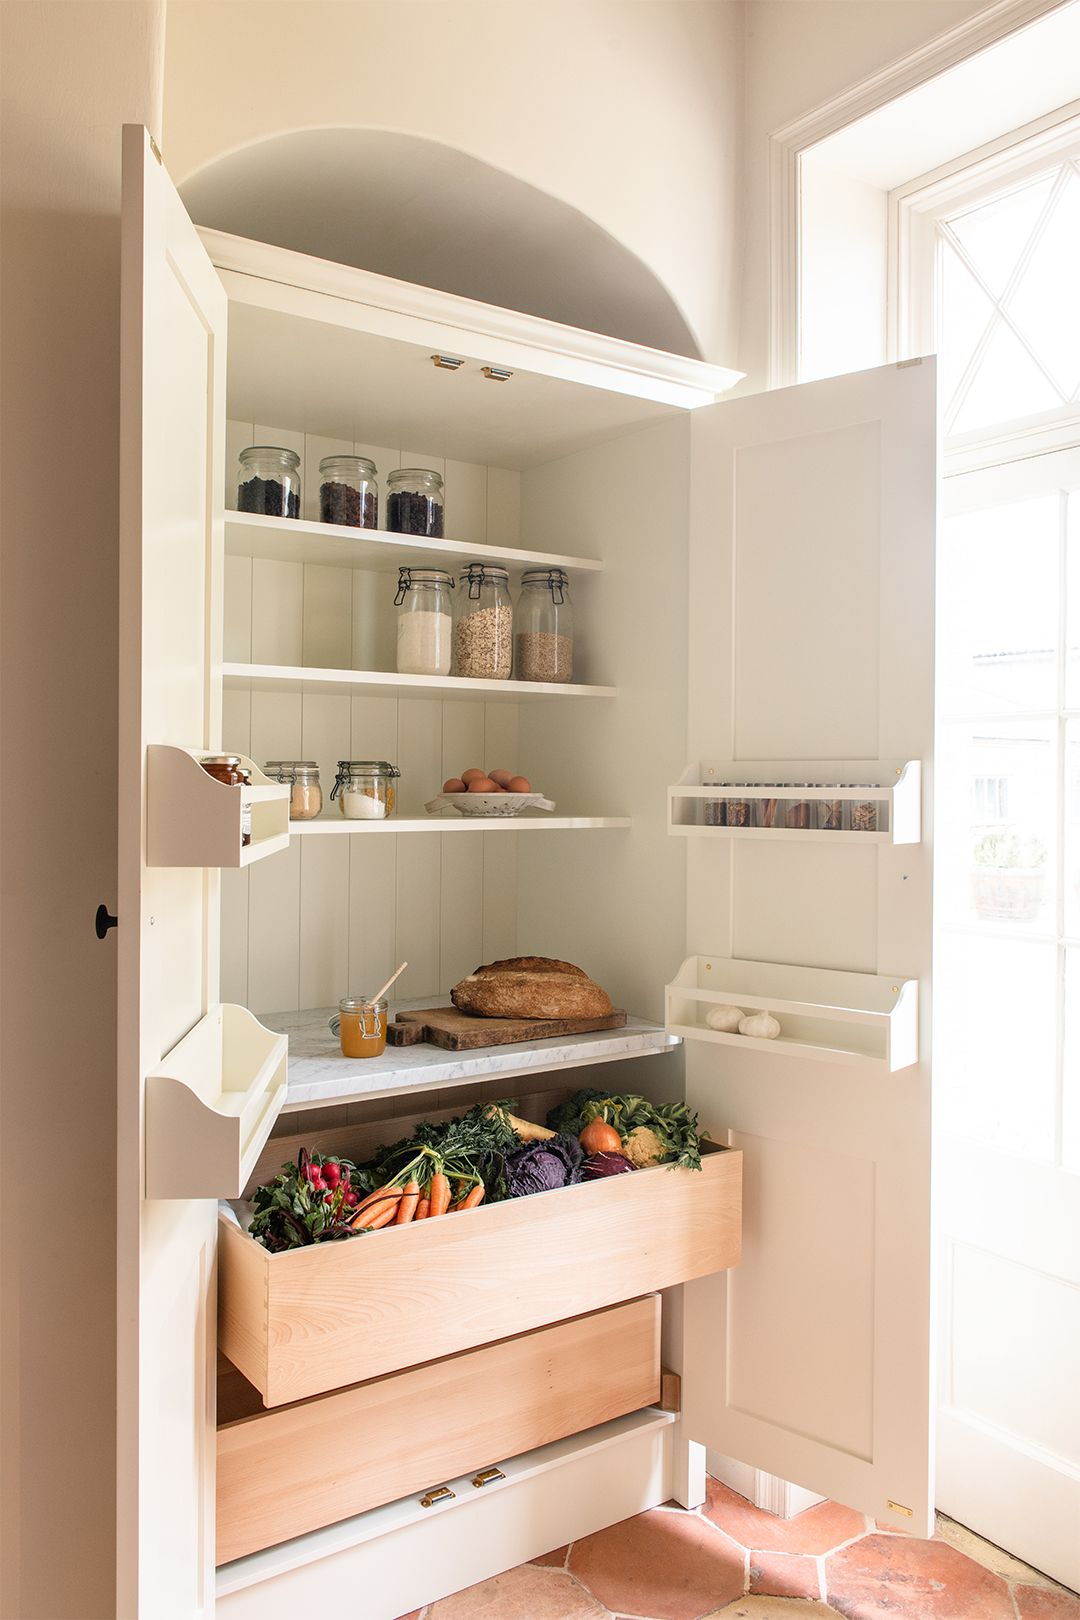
pixel 103 922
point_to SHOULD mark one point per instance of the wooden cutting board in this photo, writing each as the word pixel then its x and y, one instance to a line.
pixel 460 1032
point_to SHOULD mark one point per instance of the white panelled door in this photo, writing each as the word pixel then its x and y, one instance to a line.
pixel 812 639
pixel 173 320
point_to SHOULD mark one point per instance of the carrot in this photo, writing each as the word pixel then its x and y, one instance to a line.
pixel 384 1201
pixel 423 1210
pixel 383 1217
pixel 473 1198
pixel 440 1195
pixel 410 1197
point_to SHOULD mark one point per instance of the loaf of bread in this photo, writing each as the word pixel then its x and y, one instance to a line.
pixel 530 987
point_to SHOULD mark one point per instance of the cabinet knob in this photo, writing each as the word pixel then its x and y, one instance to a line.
pixel 103 922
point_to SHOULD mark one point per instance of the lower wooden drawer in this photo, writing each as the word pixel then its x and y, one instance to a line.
pixel 282 1472
pixel 319 1318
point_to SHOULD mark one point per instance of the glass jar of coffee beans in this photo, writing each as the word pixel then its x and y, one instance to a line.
pixel 269 481
pixel 414 502
pixel 348 492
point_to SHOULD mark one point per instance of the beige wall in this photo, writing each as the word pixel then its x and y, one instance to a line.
pixel 73 72
pixel 626 109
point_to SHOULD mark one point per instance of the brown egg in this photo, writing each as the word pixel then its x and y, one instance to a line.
pixel 502 778
pixel 482 784
pixel 455 785
pixel 471 775
pixel 519 784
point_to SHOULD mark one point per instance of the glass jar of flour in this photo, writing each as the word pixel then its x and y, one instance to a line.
pixel 425 621
pixel 364 788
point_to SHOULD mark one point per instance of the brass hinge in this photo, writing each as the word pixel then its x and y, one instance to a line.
pixel 496 373
pixel 896 1507
pixel 154 148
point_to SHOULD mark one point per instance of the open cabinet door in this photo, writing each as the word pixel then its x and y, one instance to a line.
pixel 812 647
pixel 172 529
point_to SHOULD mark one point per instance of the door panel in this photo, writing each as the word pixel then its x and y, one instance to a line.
pixel 812 638
pixel 173 351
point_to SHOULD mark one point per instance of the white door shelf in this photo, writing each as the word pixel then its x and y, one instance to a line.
pixel 194 820
pixel 277 539
pixel 383 683
pixel 211 1104
pixel 863 1018
pixel 331 822
pixel 890 789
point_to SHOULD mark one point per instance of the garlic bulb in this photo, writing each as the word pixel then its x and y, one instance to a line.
pixel 760 1024
pixel 725 1019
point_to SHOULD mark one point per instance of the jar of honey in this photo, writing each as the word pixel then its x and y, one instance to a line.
pixel 363 1027
pixel 227 768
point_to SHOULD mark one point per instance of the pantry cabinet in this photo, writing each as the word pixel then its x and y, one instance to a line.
pixel 750 581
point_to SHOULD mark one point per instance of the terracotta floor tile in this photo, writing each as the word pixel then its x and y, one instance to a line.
pixel 816 1530
pixel 790 1575
pixel 901 1578
pixel 525 1593
pixel 1042 1603
pixel 773 1608
pixel 414 1615
pixel 665 1565
pixel 989 1556
pixel 552 1560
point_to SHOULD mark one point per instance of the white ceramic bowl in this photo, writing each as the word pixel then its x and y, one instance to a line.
pixel 488 804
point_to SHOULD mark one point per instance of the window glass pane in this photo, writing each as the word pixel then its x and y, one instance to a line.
pixel 997 609
pixel 996 873
pixel 1045 305
pixel 966 313
pixel 996 233
pixel 1007 384
pixel 1071 1089
pixel 995 1041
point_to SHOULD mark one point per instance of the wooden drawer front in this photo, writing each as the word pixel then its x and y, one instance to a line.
pixel 287 1471
pixel 333 1314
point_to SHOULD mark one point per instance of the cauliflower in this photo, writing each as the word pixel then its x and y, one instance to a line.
pixel 643 1147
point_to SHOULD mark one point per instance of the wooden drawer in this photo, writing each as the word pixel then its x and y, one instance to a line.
pixel 318 1318
pixel 283 1472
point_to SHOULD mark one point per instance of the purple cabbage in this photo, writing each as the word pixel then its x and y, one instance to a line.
pixel 605 1164
pixel 542 1166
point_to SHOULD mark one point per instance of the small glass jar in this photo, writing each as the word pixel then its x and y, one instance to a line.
pixel 483 633
pixel 766 807
pixel 425 626
pixel 713 812
pixel 348 492
pixel 829 811
pixel 364 788
pixel 363 1027
pixel 737 809
pixel 544 627
pixel 414 502
pixel 799 813
pixel 269 482
pixel 305 800
pixel 869 815
pixel 228 769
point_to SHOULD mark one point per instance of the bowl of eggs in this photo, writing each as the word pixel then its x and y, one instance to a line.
pixel 487 793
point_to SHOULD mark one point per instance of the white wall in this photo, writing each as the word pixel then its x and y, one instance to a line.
pixel 844 258
pixel 628 112
pixel 72 74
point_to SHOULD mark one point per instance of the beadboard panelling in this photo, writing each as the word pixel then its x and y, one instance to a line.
pixel 461 914
pixel 503 507
pixel 327 617
pixel 237 610
pixel 500 896
pixel 324 921
pixel 419 858
pixel 372 912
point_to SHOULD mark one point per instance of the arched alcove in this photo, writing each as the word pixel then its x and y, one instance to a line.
pixel 413 208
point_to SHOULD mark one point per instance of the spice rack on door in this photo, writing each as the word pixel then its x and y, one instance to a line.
pixel 211 1104
pixel 194 820
pixel 892 786
pixel 867 1018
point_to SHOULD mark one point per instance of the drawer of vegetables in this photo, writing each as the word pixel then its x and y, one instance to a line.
pixel 411 1430
pixel 470 1230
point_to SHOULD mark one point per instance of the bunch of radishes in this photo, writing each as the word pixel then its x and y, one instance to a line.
pixel 328 1181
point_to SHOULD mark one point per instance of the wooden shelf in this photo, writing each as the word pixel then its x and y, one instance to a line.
pixel 249 534
pixel 211 1104
pixel 898 788
pixel 381 683
pixel 192 819
pixel 862 1018
pixel 334 823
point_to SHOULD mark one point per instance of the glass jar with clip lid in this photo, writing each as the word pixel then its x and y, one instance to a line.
pixel 425 621
pixel 544 627
pixel 483 634
pixel 364 788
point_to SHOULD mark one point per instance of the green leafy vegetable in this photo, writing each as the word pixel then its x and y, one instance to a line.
pixel 567 1118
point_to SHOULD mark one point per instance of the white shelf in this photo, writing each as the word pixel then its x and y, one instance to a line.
pixel 899 789
pixel 380 683
pixel 865 1018
pixel 335 823
pixel 192 819
pixel 249 534
pixel 211 1104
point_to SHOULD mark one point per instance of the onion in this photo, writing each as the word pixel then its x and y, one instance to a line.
pixel 600 1137
pixel 604 1164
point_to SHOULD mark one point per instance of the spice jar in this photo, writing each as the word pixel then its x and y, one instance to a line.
pixel 868 815
pixel 363 1027
pixel 365 789
pixel 544 627
pixel 228 769
pixel 269 482
pixel 414 502
pixel 735 809
pixel 425 621
pixel 829 812
pixel 798 812
pixel 713 810
pixel 767 805
pixel 348 492
pixel 483 634
pixel 305 800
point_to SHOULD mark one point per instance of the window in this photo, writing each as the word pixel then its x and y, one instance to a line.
pixel 991 798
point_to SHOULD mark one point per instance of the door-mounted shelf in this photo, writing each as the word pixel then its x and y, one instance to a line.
pixel 210 1105
pixel 867 1018
pixel 194 820
pixel 817 801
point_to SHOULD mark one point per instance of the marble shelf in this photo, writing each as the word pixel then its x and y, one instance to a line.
pixel 320 1076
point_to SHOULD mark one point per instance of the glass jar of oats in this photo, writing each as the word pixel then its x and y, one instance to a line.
pixel 483 632
pixel 544 627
